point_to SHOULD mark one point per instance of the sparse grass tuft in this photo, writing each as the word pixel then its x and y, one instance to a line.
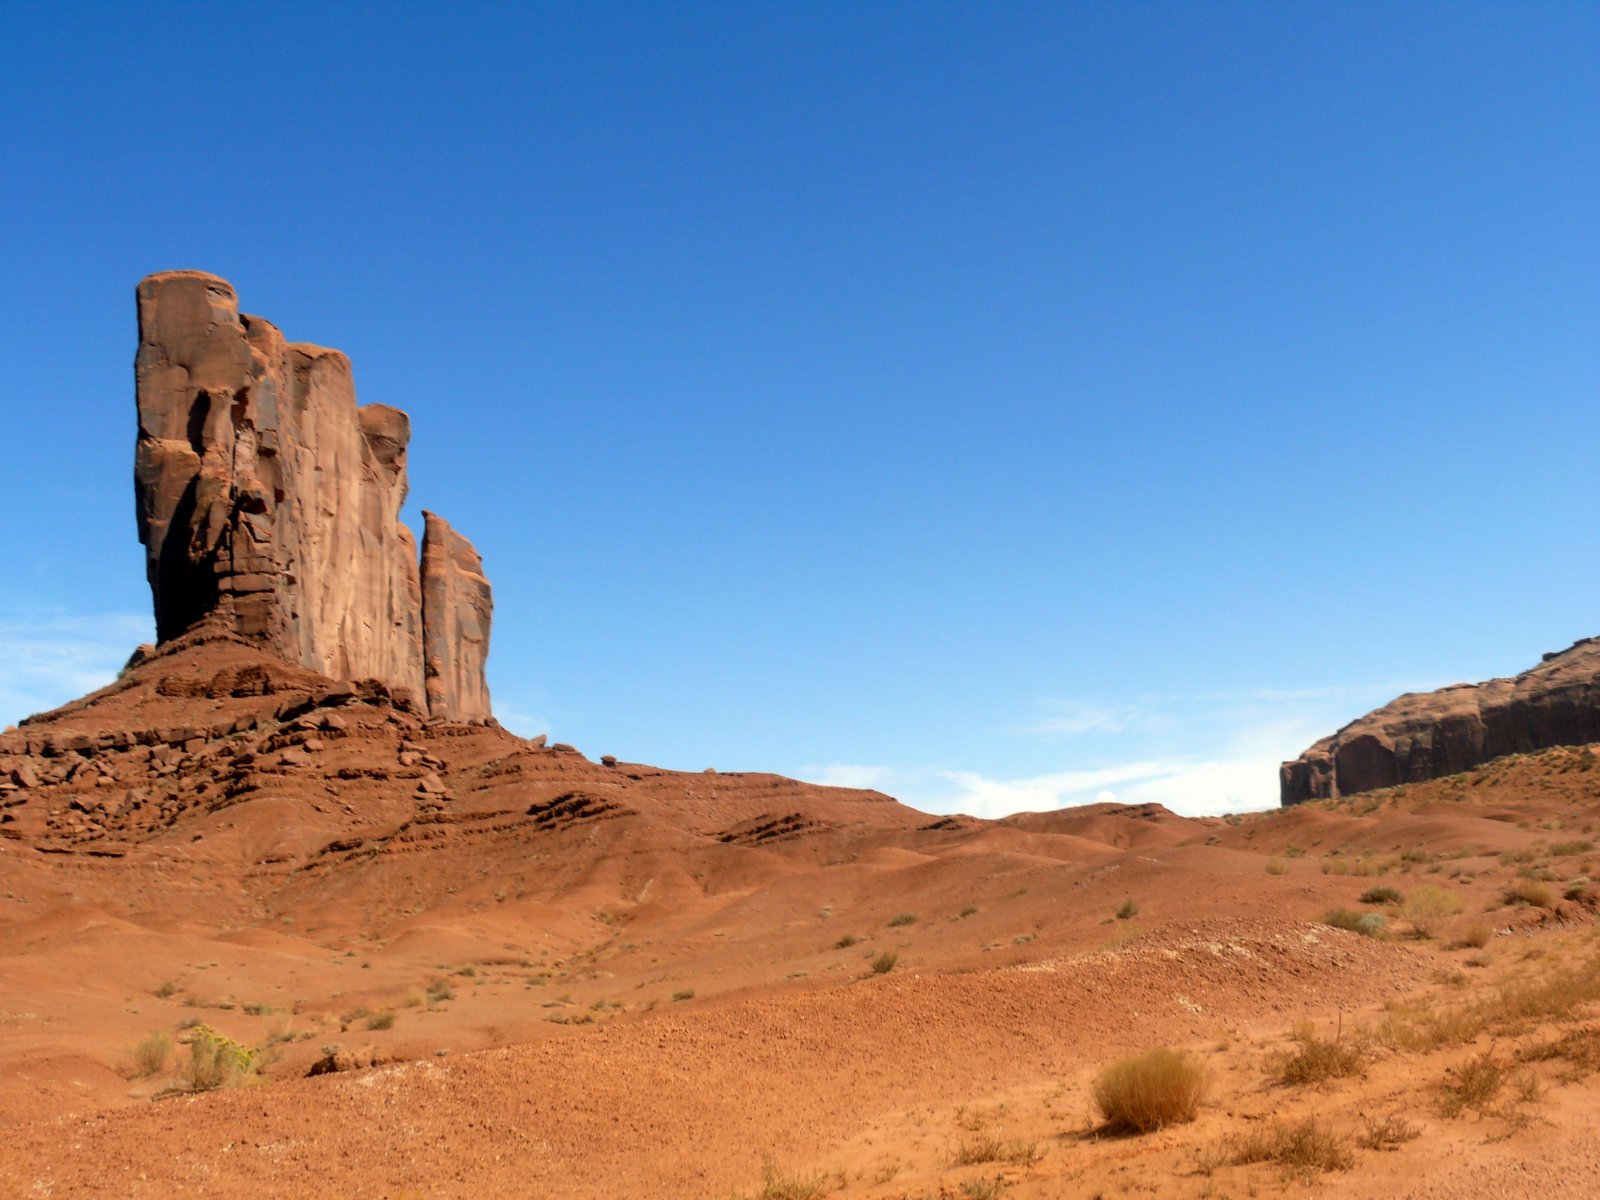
pixel 150 1053
pixel 1387 1134
pixel 885 962
pixel 1149 1091
pixel 1476 1083
pixel 846 942
pixel 383 1020
pixel 440 991
pixel 165 990
pixel 1127 910
pixel 900 919
pixel 1476 936
pixel 988 1148
pixel 1276 866
pixel 683 994
pixel 1299 1150
pixel 1317 1060
pixel 776 1186
pixel 1580 1047
pixel 986 1188
pixel 1554 995
pixel 1380 895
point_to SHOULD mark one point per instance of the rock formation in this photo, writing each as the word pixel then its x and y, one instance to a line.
pixel 269 501
pixel 1425 735
pixel 456 609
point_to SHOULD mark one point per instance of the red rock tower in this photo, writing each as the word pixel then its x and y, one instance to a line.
pixel 270 501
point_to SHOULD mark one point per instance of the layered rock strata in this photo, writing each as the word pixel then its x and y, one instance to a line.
pixel 1430 734
pixel 269 502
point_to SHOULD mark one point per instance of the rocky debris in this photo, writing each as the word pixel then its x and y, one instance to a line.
pixel 337 1061
pixel 457 607
pixel 268 504
pixel 1430 734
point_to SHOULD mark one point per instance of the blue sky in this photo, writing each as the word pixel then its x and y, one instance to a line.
pixel 1000 404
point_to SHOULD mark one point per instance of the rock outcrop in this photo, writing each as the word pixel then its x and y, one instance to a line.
pixel 269 501
pixel 456 609
pixel 1429 734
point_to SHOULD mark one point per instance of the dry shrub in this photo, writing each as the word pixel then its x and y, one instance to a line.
pixel 1475 1084
pixel 996 1149
pixel 1528 891
pixel 1387 1134
pixel 1418 1028
pixel 1366 924
pixel 1299 1149
pixel 1580 1047
pixel 1276 866
pixel 1380 895
pixel 1148 1091
pixel 150 1053
pixel 990 1148
pixel 1476 936
pixel 1317 1060
pixel 1428 907
pixel 1556 995
pixel 777 1186
pixel 885 962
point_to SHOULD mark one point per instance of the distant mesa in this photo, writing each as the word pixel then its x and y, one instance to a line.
pixel 1431 734
pixel 269 507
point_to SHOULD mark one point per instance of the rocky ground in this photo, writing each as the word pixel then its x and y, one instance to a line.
pixel 520 972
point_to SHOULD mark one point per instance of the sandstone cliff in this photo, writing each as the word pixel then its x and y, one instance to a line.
pixel 269 501
pixel 1425 735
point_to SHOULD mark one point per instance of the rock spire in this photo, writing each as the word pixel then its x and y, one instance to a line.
pixel 268 500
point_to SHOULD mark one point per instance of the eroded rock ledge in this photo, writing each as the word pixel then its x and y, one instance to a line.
pixel 1431 734
pixel 268 500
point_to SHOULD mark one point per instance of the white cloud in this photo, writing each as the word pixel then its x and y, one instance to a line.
pixel 1210 758
pixel 1068 719
pixel 49 656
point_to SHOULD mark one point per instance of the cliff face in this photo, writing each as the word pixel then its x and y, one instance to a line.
pixel 1430 734
pixel 268 500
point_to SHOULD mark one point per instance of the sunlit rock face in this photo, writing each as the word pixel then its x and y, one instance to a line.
pixel 1425 735
pixel 269 502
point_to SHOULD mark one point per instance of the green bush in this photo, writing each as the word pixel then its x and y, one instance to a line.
pixel 1366 924
pixel 216 1061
